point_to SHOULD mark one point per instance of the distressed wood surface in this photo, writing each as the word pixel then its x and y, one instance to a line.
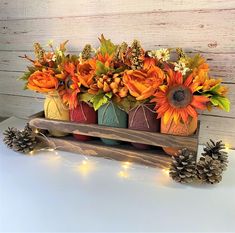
pixel 21 106
pixel 152 158
pixel 43 9
pixel 165 29
pixel 11 85
pixel 126 135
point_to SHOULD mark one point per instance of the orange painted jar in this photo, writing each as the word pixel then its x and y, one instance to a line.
pixel 180 129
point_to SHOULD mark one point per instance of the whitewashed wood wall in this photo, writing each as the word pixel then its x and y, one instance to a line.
pixel 206 26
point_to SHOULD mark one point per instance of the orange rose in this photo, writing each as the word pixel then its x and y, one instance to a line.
pixel 143 83
pixel 42 81
pixel 85 72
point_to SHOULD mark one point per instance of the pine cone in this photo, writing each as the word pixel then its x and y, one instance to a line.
pixel 209 170
pixel 183 167
pixel 23 142
pixel 10 134
pixel 215 151
pixel 137 55
pixel 86 52
pixel 28 128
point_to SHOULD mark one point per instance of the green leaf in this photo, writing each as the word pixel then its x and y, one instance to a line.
pixel 109 95
pixel 101 68
pixel 32 68
pixel 220 101
pixel 25 76
pixel 215 88
pixel 119 70
pixel 100 99
pixel 128 103
pixel 85 97
pixel 107 46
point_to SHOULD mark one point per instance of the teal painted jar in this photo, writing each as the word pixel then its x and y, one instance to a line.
pixel 111 115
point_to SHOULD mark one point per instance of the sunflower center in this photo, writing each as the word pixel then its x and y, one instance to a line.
pixel 179 96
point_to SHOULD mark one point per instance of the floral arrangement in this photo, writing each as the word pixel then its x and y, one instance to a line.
pixel 128 76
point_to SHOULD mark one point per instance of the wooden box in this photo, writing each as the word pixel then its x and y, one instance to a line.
pixel 154 157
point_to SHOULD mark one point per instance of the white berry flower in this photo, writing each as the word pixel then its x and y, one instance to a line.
pixel 181 67
pixel 162 54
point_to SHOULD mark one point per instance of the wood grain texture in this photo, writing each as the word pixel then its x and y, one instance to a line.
pixel 165 29
pixel 21 106
pixel 217 128
pixel 43 9
pixel 221 65
pixel 152 158
pixel 11 85
pixel 126 135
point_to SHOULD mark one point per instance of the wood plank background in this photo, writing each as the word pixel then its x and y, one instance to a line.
pixel 205 26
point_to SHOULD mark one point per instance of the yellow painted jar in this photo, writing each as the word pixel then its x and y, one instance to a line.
pixel 56 110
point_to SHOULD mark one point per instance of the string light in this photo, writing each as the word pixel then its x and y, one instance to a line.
pixel 31 152
pixel 85 168
pixel 126 165
pixel 123 174
pixel 165 171
pixel 36 131
pixel 227 146
pixel 51 149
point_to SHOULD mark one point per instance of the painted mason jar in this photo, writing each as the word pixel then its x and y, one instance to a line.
pixel 56 110
pixel 111 115
pixel 144 118
pixel 83 113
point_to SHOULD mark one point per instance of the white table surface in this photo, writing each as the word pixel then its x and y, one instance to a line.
pixel 56 191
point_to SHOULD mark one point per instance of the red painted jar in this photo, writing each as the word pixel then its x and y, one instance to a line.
pixel 83 113
pixel 144 118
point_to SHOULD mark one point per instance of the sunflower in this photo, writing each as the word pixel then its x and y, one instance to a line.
pixel 177 100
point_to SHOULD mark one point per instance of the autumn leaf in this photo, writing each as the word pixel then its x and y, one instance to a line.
pixel 107 46
pixel 100 99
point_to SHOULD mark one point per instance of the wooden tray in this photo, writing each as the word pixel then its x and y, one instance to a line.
pixel 154 157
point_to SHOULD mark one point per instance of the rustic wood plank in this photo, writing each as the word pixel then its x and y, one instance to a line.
pixel 10 85
pixel 221 65
pixel 165 29
pixel 61 8
pixel 127 135
pixel 152 158
pixel 19 106
pixel 217 128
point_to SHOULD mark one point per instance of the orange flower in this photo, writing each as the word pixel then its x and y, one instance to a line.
pixel 43 81
pixel 205 83
pixel 143 83
pixel 105 59
pixel 69 95
pixel 112 83
pixel 85 72
pixel 202 67
pixel 176 101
